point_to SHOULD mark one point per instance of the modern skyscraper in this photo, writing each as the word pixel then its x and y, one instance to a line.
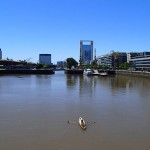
pixel 0 53
pixel 45 59
pixel 86 51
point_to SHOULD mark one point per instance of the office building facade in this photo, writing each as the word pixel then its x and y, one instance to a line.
pixel 112 60
pixel 132 55
pixel 140 62
pixel 45 59
pixel 86 51
pixel 105 60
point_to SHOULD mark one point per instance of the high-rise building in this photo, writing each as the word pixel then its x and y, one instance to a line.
pixel 45 59
pixel 86 51
pixel 0 53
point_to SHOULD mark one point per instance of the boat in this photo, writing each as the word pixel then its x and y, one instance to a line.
pixel 82 123
pixel 88 72
pixel 103 73
pixel 95 72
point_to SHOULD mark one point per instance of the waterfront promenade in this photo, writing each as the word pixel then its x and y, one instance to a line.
pixel 134 73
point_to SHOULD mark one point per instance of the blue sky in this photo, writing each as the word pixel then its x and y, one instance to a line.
pixel 31 27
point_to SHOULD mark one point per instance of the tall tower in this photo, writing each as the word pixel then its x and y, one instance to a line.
pixel 0 53
pixel 86 51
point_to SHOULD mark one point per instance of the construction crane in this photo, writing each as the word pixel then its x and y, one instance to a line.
pixel 28 60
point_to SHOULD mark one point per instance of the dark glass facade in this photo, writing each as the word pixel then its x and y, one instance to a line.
pixel 45 59
pixel 87 53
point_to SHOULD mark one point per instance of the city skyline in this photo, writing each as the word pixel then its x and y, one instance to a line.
pixel 29 27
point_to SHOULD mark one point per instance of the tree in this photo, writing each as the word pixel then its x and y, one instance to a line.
pixel 124 65
pixel 39 66
pixel 71 62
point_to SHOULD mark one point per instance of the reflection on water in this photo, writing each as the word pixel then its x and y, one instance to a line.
pixel 34 111
pixel 82 82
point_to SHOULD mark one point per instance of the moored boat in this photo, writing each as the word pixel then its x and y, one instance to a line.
pixel 103 74
pixel 88 72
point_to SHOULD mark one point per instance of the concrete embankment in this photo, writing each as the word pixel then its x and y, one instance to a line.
pixel 27 72
pixel 134 73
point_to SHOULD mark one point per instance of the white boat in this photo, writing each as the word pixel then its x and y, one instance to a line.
pixel 103 73
pixel 82 123
pixel 88 72
pixel 95 72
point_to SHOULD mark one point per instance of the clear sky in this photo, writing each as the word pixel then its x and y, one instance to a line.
pixel 31 27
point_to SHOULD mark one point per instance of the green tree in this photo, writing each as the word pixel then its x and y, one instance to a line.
pixel 71 62
pixel 39 66
pixel 124 65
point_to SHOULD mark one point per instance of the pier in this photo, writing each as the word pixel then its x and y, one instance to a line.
pixel 27 71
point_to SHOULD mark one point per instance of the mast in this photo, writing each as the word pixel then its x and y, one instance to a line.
pixel 80 60
pixel 95 60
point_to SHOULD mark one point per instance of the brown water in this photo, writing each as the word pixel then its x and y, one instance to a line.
pixel 34 111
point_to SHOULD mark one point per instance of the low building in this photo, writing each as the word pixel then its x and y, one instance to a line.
pixel 131 55
pixel 118 59
pixel 140 62
pixel 105 60
pixel 61 64
pixel 113 59
pixel 11 64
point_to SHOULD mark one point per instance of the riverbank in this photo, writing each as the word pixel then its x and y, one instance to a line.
pixel 134 73
pixel 26 71
pixel 69 71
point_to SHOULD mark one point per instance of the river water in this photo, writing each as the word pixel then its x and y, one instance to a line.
pixel 34 110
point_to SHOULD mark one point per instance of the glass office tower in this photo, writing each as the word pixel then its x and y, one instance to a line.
pixel 45 59
pixel 86 51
